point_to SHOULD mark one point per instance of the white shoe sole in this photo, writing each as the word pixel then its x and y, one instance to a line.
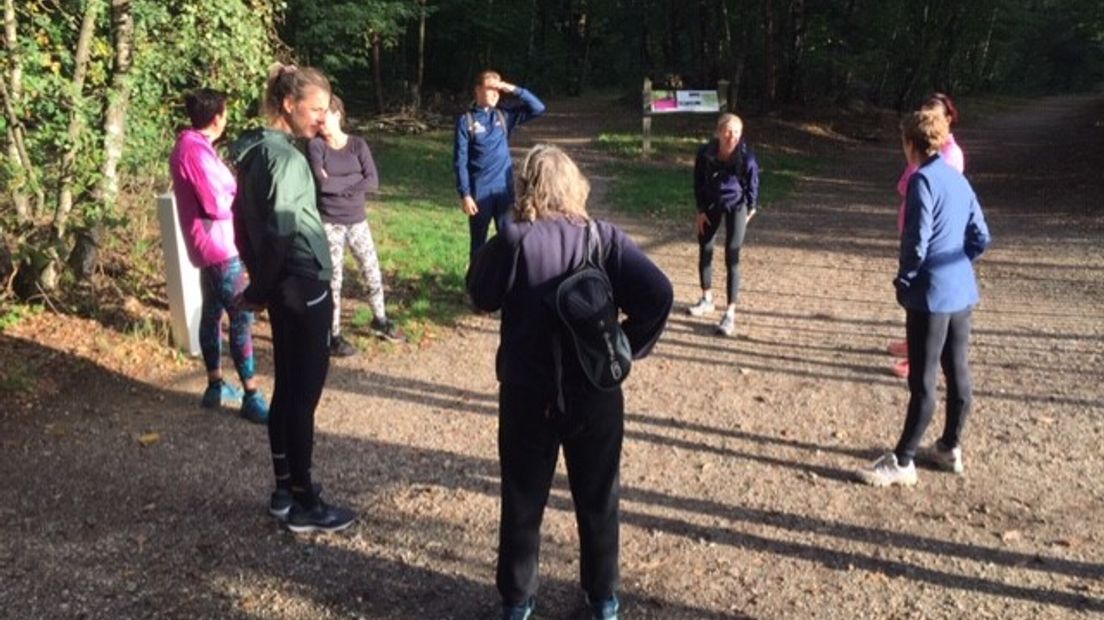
pixel 304 529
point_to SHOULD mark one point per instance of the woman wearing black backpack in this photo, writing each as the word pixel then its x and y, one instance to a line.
pixel 518 272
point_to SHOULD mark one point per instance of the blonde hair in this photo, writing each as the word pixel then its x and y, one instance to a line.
pixel 727 119
pixel 290 81
pixel 550 185
pixel 926 130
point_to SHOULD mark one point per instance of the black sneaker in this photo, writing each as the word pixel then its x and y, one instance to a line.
pixel 339 347
pixel 387 330
pixel 321 518
pixel 279 505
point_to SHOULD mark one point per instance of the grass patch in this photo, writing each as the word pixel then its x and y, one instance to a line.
pixel 667 190
pixel 13 315
pixel 630 145
pixel 420 233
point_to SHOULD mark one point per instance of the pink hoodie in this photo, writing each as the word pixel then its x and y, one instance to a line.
pixel 950 152
pixel 204 188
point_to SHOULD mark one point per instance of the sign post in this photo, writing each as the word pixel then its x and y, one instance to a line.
pixel 679 102
pixel 646 148
pixel 181 279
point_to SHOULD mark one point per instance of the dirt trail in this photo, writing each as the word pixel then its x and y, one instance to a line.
pixel 736 501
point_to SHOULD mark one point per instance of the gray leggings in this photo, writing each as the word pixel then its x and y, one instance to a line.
pixel 359 238
pixel 735 222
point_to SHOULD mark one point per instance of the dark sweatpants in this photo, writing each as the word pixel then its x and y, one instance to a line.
pixel 936 340
pixel 493 205
pixel 301 316
pixel 528 447
pixel 735 226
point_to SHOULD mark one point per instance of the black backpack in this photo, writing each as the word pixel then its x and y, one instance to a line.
pixel 588 316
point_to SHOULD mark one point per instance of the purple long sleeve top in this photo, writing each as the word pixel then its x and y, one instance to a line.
pixel 344 176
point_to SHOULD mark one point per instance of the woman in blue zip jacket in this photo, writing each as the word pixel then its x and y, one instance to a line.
pixel 726 189
pixel 944 233
pixel 481 154
pixel 516 272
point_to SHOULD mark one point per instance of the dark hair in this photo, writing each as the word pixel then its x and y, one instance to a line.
pixel 290 81
pixel 337 105
pixel 944 100
pixel 484 75
pixel 203 105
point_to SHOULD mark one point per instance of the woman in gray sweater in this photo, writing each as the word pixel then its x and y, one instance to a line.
pixel 345 173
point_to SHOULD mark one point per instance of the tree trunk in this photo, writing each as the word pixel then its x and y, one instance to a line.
pixel 797 51
pixel 770 77
pixel 727 56
pixel 23 168
pixel 122 28
pixel 983 64
pixel 47 279
pixel 421 55
pixel 377 73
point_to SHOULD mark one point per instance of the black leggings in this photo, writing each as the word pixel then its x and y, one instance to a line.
pixel 735 226
pixel 301 316
pixel 528 447
pixel 936 340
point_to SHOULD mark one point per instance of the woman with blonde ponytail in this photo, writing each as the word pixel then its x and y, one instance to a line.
pixel 280 237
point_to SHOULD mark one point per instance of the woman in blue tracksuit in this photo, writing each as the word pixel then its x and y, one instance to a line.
pixel 481 157
pixel 726 189
pixel 944 233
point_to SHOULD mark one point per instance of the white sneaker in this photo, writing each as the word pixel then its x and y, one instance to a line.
pixel 947 459
pixel 702 308
pixel 727 326
pixel 886 472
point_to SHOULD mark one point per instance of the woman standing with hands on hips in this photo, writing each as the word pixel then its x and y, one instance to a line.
pixel 953 156
pixel 944 233
pixel 516 272
pixel 726 189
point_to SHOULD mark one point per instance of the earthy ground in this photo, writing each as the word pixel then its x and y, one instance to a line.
pixel 121 498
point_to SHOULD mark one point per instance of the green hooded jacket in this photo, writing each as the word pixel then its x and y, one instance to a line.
pixel 277 227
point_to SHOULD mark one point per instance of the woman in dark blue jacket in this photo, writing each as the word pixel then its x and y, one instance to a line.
pixel 726 189
pixel 944 233
pixel 517 272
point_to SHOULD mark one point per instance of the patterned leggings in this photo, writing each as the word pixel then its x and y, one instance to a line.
pixel 359 238
pixel 220 283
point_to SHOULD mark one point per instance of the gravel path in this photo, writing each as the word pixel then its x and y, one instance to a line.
pixel 126 501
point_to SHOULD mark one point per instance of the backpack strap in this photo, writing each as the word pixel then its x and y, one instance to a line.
pixel 499 114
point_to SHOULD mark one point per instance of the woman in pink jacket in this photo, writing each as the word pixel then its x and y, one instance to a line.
pixel 951 153
pixel 204 188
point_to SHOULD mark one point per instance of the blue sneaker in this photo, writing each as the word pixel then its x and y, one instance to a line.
pixel 219 393
pixel 606 609
pixel 521 611
pixel 254 408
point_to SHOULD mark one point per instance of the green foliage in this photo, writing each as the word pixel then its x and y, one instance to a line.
pixel 337 37
pixel 221 45
pixel 14 314
pixel 177 46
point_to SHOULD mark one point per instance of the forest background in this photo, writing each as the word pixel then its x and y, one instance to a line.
pixel 91 93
